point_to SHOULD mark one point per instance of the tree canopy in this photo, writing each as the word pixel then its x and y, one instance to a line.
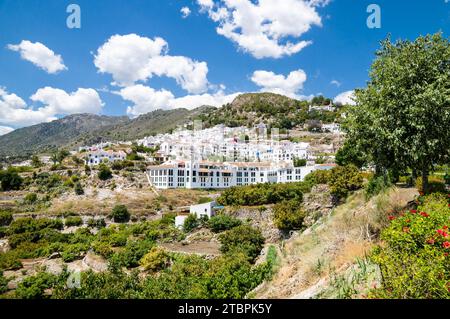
pixel 402 117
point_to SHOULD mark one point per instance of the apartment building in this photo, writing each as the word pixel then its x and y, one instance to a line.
pixel 205 175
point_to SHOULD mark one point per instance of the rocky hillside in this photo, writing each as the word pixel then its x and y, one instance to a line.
pixel 272 109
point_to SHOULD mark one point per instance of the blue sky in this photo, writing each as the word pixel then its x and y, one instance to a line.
pixel 341 49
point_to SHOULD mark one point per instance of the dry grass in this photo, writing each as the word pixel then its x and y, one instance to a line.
pixel 335 242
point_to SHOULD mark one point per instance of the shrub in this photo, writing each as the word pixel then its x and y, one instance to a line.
pixel 262 194
pixel 96 223
pixel 10 261
pixel 376 185
pixel 435 185
pixel 244 239
pixel 5 218
pixel 78 189
pixel 223 222
pixel 73 221
pixel 104 173
pixel 344 179
pixel 73 252
pixel 3 283
pixel 414 261
pixel 133 252
pixel 157 259
pixel 103 249
pixel 204 200
pixel 10 180
pixel 190 223
pixel 120 214
pixel 34 287
pixel 30 198
pixel 318 177
pixel 288 215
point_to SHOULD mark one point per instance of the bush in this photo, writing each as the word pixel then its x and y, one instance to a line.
pixel 120 214
pixel 262 194
pixel 30 198
pixel 96 223
pixel 157 259
pixel 10 261
pixel 78 189
pixel 318 177
pixel 344 179
pixel 190 223
pixel 414 261
pixel 204 200
pixel 288 215
pixel 73 221
pixel 104 173
pixel 10 180
pixel 245 239
pixel 3 283
pixel 223 222
pixel 376 185
pixel 435 185
pixel 103 249
pixel 34 287
pixel 73 252
pixel 5 218
pixel 133 253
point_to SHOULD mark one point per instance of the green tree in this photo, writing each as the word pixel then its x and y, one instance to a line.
pixel 288 215
pixel 104 172
pixel 243 238
pixel 120 214
pixel 10 180
pixel 402 118
pixel 190 223
pixel 35 161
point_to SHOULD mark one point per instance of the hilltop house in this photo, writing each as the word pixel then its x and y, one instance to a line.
pixel 99 156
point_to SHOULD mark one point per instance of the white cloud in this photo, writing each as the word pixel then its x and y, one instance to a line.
pixel 39 55
pixel 185 12
pixel 264 28
pixel 288 85
pixel 15 111
pixel 336 82
pixel 345 98
pixel 146 99
pixel 5 130
pixel 57 101
pixel 132 58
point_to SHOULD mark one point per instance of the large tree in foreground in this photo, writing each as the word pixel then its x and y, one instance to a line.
pixel 402 118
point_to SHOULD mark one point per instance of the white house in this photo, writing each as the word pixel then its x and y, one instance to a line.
pixel 96 157
pixel 201 210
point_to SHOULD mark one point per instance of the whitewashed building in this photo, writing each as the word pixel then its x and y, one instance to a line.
pixel 99 156
pixel 212 175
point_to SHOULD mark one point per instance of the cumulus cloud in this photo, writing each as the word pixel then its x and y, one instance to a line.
pixel 57 101
pixel 345 98
pixel 264 28
pixel 39 55
pixel 132 58
pixel 15 111
pixel 146 99
pixel 288 85
pixel 5 130
pixel 185 12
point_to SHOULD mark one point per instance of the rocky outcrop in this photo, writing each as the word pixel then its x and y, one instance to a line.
pixel 318 203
